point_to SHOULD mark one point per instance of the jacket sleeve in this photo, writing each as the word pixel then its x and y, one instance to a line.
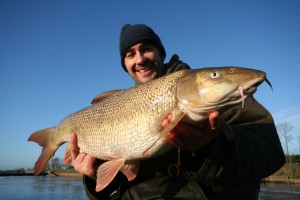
pixel 255 152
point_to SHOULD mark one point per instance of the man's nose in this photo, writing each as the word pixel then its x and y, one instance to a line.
pixel 140 58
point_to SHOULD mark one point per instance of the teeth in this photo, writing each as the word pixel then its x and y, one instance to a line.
pixel 144 70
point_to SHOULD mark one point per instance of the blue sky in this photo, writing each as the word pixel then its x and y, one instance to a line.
pixel 55 56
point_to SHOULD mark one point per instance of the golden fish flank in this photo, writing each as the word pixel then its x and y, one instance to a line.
pixel 156 101
pixel 124 127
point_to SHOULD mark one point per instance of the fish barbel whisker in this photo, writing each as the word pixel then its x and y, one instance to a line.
pixel 269 83
pixel 241 91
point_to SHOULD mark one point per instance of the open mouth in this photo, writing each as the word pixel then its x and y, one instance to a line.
pixel 144 69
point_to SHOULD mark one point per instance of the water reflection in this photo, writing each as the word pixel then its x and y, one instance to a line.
pixel 279 191
pixel 49 188
pixel 41 187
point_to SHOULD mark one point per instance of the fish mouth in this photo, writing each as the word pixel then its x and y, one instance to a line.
pixel 243 91
pixel 250 87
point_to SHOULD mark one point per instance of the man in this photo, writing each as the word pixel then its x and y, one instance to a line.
pixel 213 167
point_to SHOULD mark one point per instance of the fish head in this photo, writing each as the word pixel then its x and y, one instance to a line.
pixel 208 89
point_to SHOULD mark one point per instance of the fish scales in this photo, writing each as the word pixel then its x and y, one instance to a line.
pixel 105 130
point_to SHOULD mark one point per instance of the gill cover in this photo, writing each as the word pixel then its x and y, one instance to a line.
pixel 187 90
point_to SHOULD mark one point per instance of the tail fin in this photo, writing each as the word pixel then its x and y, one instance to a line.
pixel 42 137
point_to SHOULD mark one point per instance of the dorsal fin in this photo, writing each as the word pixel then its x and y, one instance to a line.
pixel 104 95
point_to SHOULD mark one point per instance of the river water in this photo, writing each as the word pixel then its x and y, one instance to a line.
pixel 279 191
pixel 41 187
pixel 48 187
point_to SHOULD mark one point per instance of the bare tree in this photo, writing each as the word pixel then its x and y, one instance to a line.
pixel 299 143
pixel 55 163
pixel 284 131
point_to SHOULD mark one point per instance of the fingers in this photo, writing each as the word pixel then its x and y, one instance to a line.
pixel 68 158
pixel 191 137
pixel 217 122
pixel 213 119
pixel 167 121
pixel 74 149
pixel 187 136
pixel 74 139
pixel 82 162
pixel 86 164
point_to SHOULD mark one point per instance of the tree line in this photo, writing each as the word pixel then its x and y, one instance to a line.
pixel 286 138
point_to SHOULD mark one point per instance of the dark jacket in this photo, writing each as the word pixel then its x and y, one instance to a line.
pixel 222 170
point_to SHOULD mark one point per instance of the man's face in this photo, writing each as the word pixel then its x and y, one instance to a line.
pixel 143 62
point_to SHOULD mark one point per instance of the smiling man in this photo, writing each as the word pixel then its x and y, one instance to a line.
pixel 211 166
pixel 142 53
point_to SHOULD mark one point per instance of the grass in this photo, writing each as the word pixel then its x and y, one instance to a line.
pixel 291 170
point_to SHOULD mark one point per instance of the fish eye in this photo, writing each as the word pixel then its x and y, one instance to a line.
pixel 214 74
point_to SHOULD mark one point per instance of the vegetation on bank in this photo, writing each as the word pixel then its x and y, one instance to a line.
pixel 291 170
pixel 54 164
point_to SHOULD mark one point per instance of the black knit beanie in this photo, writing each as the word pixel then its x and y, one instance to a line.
pixel 133 34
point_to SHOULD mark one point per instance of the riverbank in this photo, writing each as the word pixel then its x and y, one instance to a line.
pixel 281 179
pixel 65 173
pixel 289 173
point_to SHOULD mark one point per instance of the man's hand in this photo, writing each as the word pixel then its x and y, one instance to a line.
pixel 82 162
pixel 190 137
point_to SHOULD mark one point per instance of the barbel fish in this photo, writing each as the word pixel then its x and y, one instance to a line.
pixel 125 126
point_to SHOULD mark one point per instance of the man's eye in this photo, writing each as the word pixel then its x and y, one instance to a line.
pixel 129 55
pixel 147 49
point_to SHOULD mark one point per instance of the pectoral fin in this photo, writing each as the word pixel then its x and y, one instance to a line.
pixel 177 116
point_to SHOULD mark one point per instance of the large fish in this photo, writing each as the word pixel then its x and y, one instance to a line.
pixel 125 127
